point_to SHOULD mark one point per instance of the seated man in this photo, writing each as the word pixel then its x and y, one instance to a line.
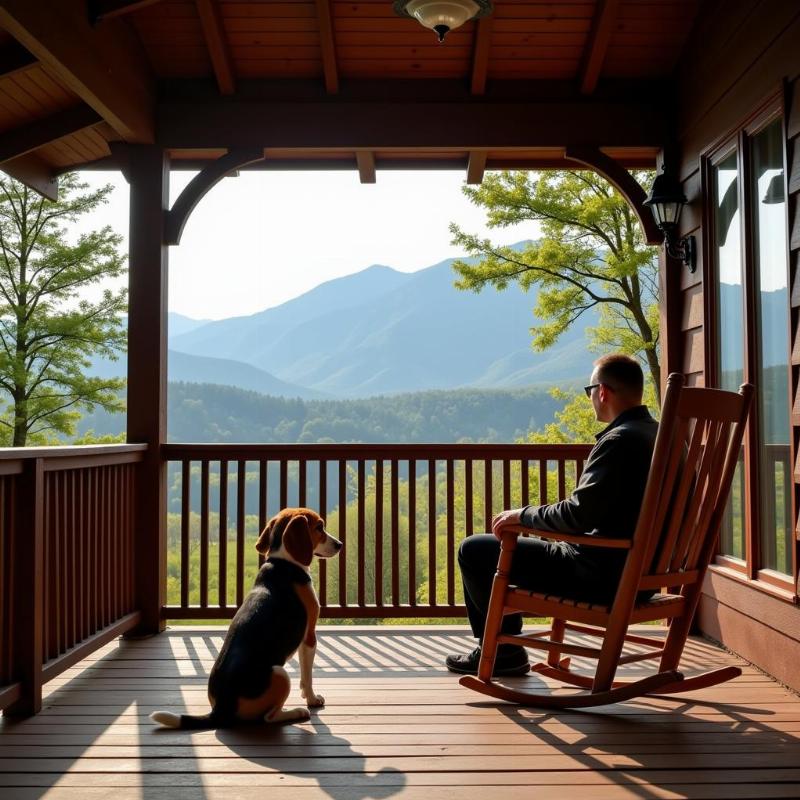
pixel 606 502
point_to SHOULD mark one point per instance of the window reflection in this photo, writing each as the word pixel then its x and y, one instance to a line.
pixel 772 380
pixel 730 327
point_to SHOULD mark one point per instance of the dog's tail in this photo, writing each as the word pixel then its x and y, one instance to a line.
pixel 196 722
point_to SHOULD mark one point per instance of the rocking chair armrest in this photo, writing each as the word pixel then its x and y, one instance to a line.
pixel 514 531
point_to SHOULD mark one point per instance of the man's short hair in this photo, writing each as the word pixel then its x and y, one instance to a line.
pixel 622 373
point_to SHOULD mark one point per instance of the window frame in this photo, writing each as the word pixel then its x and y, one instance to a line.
pixel 738 140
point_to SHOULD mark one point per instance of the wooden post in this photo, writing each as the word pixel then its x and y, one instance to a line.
pixel 148 175
pixel 29 590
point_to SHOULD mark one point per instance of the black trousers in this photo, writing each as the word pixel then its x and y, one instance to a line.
pixel 541 565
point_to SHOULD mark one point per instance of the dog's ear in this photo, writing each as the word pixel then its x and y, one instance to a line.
pixel 297 540
pixel 264 542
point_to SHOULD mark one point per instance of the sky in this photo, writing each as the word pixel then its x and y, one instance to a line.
pixel 262 238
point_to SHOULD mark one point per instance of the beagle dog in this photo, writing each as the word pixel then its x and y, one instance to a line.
pixel 248 681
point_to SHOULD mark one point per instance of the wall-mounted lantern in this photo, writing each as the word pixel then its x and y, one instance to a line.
pixel 666 201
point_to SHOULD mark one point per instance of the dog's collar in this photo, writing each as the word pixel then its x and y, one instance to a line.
pixel 292 570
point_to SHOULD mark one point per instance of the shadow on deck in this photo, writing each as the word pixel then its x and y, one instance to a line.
pixel 396 724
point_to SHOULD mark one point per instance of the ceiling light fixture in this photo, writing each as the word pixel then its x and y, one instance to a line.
pixel 441 16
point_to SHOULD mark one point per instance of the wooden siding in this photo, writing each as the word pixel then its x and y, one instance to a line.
pixel 740 54
pixel 395 725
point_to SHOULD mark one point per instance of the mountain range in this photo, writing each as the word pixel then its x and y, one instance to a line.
pixel 378 331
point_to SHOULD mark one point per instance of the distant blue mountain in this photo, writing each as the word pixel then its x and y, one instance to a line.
pixel 202 369
pixel 381 331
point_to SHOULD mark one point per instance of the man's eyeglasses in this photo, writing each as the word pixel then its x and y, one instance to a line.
pixel 588 389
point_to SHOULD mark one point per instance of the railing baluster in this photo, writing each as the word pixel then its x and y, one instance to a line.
pixel 412 538
pixel 506 483
pixel 542 481
pixel 301 484
pixel 343 532
pixel 562 480
pixel 241 478
pixel 323 510
pixel 524 480
pixel 395 535
pixel 360 516
pixel 263 470
pixel 185 500
pixel 431 532
pixel 283 483
pixel 92 550
pixel 468 509
pixel 487 495
pixel 451 538
pixel 115 530
pixel 5 576
pixel 204 511
pixel 379 532
pixel 223 533
pixel 50 600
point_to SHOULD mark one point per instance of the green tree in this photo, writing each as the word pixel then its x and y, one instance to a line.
pixel 591 255
pixel 575 422
pixel 49 330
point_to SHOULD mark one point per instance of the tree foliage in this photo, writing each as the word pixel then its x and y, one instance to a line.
pixel 49 330
pixel 591 254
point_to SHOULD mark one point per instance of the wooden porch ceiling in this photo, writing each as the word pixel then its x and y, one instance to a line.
pixel 395 725
pixel 334 83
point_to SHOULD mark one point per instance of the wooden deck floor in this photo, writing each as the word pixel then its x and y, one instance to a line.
pixel 396 725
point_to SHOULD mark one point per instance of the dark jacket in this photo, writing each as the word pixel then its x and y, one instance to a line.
pixel 608 497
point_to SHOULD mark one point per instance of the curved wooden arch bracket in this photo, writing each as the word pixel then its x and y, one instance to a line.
pixel 196 189
pixel 625 184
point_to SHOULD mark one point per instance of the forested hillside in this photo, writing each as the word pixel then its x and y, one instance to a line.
pixel 212 413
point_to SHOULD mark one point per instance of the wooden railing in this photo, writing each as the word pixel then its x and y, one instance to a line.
pixel 400 534
pixel 66 561
pixel 72 576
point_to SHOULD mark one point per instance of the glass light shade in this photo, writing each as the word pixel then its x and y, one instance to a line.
pixel 666 213
pixel 452 13
pixel 666 200
pixel 442 16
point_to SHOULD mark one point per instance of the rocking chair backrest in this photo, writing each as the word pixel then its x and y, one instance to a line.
pixel 695 455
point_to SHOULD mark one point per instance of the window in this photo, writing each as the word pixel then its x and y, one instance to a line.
pixel 750 271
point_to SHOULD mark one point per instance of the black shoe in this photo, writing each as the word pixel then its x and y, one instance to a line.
pixel 513 663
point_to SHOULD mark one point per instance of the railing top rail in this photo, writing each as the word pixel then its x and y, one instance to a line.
pixel 332 452
pixel 69 451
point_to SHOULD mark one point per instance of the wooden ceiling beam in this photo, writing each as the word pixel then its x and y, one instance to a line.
pixel 214 33
pixel 25 139
pixel 476 166
pixel 100 10
pixel 467 124
pixel 480 56
pixel 35 173
pixel 104 66
pixel 14 58
pixel 599 38
pixel 366 166
pixel 327 46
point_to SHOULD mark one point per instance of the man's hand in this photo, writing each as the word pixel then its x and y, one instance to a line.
pixel 511 517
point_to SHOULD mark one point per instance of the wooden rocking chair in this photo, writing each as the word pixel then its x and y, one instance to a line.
pixel 675 538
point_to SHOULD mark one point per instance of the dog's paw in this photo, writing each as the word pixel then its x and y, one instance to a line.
pixel 299 714
pixel 314 700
